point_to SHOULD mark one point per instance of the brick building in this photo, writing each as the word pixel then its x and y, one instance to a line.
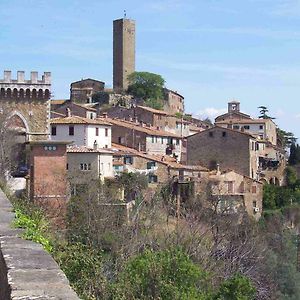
pixel 26 103
pixel 48 186
pixel 230 149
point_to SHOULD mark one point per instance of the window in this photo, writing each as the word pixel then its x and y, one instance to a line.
pixel 97 131
pixel 254 190
pixel 53 130
pixel 254 204
pixel 128 160
pixel 152 179
pixel 261 127
pixel 85 167
pixel 162 140
pixel 177 141
pixel 152 139
pixel 236 127
pixel 106 146
pixel 67 167
pixel 106 131
pixel 223 134
pixel 71 130
pixel 247 127
pixel 229 186
pixel 151 165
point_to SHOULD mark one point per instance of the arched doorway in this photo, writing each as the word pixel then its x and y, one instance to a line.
pixel 17 130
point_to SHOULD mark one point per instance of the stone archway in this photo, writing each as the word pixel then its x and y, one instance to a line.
pixel 18 126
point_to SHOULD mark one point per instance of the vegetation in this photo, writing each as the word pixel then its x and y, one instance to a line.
pixel 148 87
pixel 294 154
pixel 159 254
pixel 263 113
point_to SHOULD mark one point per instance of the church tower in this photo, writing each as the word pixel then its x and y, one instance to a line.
pixel 123 52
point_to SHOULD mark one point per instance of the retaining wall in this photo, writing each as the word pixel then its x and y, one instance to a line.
pixel 27 271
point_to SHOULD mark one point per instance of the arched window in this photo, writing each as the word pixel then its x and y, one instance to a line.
pixel 27 93
pixel 15 93
pixel 47 94
pixel 21 93
pixel 34 94
pixel 2 93
pixel 40 94
pixel 8 93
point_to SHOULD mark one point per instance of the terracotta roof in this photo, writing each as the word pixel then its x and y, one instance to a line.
pixel 86 79
pixel 163 159
pixel 224 128
pixel 56 113
pixel 244 121
pixel 78 120
pixel 245 116
pixel 58 102
pixel 155 111
pixel 148 130
pixel 84 149
pixel 84 106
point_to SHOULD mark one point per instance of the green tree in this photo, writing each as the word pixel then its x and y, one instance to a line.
pixel 166 274
pixel 238 287
pixel 285 138
pixel 294 157
pixel 148 87
pixel 263 110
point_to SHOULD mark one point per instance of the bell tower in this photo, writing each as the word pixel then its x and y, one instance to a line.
pixel 233 106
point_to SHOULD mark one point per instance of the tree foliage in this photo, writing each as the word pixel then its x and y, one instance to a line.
pixel 263 110
pixel 167 274
pixel 294 157
pixel 148 87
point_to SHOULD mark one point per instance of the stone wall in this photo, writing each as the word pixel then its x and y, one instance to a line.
pixel 26 270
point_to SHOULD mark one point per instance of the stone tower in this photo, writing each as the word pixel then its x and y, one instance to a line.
pixel 123 52
pixel 25 103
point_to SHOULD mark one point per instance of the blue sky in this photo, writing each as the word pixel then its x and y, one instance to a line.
pixel 211 51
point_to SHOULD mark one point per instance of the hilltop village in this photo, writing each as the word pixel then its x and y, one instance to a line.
pixel 66 143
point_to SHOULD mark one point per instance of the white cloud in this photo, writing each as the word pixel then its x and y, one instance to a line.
pixel 298 116
pixel 210 112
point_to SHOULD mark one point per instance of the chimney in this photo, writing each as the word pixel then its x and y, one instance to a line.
pixel 95 145
pixel 218 169
pixel 7 76
pixel 21 76
pixel 68 110
pixel 34 77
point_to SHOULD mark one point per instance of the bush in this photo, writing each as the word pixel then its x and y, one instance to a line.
pixel 166 274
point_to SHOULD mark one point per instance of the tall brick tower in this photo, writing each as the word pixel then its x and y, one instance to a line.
pixel 123 52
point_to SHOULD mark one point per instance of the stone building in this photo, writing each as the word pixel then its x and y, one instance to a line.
pixel 159 119
pixel 173 102
pixel 145 138
pixel 264 129
pixel 123 52
pixel 26 103
pixel 230 149
pixel 83 90
pixel 76 109
pixel 231 192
